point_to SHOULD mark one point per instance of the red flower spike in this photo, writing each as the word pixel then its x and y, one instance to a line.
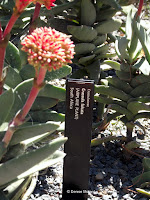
pixel 48 3
pixel 48 48
pixel 21 5
pixel 1 32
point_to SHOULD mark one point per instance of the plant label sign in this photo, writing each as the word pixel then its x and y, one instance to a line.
pixel 78 124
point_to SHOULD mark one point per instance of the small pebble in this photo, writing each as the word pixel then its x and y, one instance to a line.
pixel 99 176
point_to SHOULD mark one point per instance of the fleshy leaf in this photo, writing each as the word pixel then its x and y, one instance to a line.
pixel 13 78
pixel 144 38
pixel 30 162
pixel 6 102
pixel 111 64
pixel 13 56
pixel 143 66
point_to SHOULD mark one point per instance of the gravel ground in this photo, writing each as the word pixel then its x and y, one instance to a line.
pixel 110 174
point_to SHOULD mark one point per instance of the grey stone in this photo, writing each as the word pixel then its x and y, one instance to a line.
pixel 99 176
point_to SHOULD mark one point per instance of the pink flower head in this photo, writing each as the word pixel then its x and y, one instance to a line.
pixel 48 48
pixel 48 3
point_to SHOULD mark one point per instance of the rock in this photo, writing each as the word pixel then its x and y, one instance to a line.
pixel 122 172
pixel 45 197
pixel 99 176
pixel 106 197
pixel 127 197
pixel 114 194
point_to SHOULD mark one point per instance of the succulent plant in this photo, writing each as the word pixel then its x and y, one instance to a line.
pixel 128 92
pixel 26 96
pixel 142 181
pixel 89 33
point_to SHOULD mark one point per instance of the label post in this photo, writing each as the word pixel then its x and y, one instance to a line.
pixel 78 124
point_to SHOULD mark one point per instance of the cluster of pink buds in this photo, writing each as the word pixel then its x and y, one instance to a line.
pixel 48 48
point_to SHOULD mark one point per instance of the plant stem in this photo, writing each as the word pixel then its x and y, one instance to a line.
pixel 34 92
pixel 129 134
pixel 2 54
pixel 10 24
pixel 140 8
pixel 20 117
pixel 35 16
pixel 4 38
pixel 2 57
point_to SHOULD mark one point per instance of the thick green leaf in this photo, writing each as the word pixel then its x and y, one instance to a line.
pixel 120 84
pixel 53 92
pixel 121 48
pixel 12 188
pixel 6 102
pixel 146 164
pixel 112 92
pixel 122 110
pixel 49 115
pixel 13 78
pixel 142 178
pixel 28 163
pixel 86 59
pixel 13 56
pixel 139 79
pixel 113 64
pixel 32 131
pixel 128 30
pixel 21 93
pixel 22 188
pixel 94 71
pixel 136 106
pixel 28 72
pixel 141 90
pixel 57 74
pixel 144 38
pixel 143 66
pixel 43 103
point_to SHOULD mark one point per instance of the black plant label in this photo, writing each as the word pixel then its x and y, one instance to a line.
pixel 78 124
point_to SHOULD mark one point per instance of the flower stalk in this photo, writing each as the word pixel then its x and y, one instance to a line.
pixel 35 17
pixel 140 8
pixel 19 7
pixel 20 117
pixel 47 50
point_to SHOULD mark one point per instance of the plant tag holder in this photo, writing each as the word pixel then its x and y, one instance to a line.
pixel 78 124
